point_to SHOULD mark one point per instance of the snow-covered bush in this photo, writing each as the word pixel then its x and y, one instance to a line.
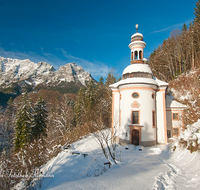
pixel 189 138
pixel 186 89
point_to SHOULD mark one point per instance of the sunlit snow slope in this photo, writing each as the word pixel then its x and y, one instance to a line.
pixel 152 168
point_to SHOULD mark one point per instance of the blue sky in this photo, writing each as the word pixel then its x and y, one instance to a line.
pixel 94 34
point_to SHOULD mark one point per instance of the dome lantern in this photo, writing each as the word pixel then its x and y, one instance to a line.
pixel 138 67
pixel 137 46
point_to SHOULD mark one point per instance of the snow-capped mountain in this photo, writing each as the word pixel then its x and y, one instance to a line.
pixel 72 72
pixel 27 73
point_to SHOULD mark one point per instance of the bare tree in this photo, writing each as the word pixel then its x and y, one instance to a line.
pixel 106 139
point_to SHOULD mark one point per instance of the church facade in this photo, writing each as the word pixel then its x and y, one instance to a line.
pixel 142 114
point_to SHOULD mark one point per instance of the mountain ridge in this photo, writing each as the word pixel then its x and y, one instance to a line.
pixel 18 75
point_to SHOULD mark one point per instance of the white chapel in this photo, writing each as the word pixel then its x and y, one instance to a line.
pixel 142 113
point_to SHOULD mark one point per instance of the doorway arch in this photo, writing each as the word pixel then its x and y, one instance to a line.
pixel 135 134
pixel 135 137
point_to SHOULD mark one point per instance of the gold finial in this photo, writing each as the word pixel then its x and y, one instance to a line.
pixel 136 26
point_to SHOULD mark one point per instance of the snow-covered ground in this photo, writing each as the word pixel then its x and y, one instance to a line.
pixel 82 167
pixel 149 168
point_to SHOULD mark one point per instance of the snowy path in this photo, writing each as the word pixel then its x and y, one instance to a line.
pixel 167 180
pixel 135 172
pixel 152 168
pixel 184 172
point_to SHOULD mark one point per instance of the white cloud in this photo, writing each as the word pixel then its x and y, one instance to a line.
pixel 175 26
pixel 168 28
pixel 96 69
pixel 23 55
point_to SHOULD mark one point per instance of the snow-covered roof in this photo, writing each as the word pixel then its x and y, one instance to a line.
pixel 137 34
pixel 160 82
pixel 134 80
pixel 171 103
pixel 139 80
pixel 137 43
pixel 137 68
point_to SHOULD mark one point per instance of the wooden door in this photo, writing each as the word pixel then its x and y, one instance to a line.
pixel 135 137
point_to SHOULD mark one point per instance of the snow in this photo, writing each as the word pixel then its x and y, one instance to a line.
pixel 183 171
pixel 183 95
pixel 137 68
pixel 38 81
pixel 135 80
pixel 171 103
pixel 27 82
pixel 192 132
pixel 160 82
pixel 15 70
pixel 152 168
pixel 138 80
pixel 137 43
pixel 22 69
pixel 137 34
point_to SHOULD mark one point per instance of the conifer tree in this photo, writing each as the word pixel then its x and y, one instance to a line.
pixel 110 79
pixel 79 106
pixel 101 80
pixel 197 11
pixel 90 96
pixel 39 119
pixel 23 133
pixel 85 103
pixel 184 27
pixel 94 102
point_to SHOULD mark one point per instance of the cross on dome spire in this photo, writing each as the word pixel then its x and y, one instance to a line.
pixel 136 26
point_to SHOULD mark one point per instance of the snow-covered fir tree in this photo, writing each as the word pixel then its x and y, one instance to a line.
pixel 39 119
pixel 23 133
pixel 110 79
pixel 79 105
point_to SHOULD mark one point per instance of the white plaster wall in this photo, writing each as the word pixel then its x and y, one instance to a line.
pixel 147 105
pixel 174 123
pixel 116 109
pixel 179 122
pixel 169 119
pixel 160 106
pixel 137 49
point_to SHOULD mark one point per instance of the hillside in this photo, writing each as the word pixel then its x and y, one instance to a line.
pixel 186 89
pixel 152 168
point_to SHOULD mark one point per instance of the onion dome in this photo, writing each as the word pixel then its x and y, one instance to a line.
pixel 137 37
pixel 137 70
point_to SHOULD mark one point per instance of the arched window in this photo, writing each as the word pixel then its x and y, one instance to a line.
pixel 140 54
pixel 136 55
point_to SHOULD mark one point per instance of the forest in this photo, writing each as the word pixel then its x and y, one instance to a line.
pixel 35 125
pixel 177 61
pixel 178 54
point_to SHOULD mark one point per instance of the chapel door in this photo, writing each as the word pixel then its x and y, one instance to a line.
pixel 135 137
